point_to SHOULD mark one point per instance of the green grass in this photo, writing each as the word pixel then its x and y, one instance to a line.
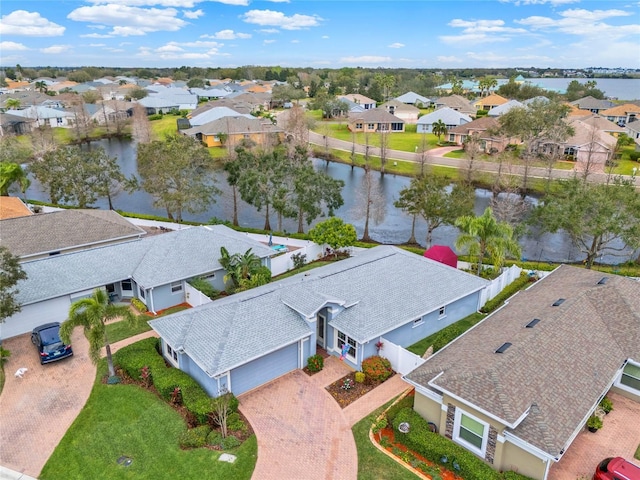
pixel 637 454
pixel 372 463
pixel 164 126
pixel 128 420
pixel 308 266
pixel 117 331
pixel 460 326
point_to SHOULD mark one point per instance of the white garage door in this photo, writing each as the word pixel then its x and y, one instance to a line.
pixel 54 310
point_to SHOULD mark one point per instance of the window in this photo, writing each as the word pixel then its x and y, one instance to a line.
pixel 141 291
pixel 172 353
pixel 359 126
pixel 470 432
pixel 442 312
pixel 352 345
pixel 631 376
pixel 417 322
pixel 176 287
pixel 59 121
pixel 371 126
pixel 126 285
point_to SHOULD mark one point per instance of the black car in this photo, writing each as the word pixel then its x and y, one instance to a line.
pixel 51 348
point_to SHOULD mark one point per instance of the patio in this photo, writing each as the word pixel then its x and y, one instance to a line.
pixel 619 437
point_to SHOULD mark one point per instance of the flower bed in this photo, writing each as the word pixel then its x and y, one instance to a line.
pixel 346 390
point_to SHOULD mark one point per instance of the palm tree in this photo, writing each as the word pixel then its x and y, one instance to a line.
pixel 92 313
pixel 485 234
pixel 239 266
pixel 41 86
pixel 11 173
pixel 12 103
pixel 439 128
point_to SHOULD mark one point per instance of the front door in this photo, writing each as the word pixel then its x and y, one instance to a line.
pixel 322 321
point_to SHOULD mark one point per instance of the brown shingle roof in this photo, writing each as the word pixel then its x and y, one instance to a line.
pixel 375 115
pixel 557 369
pixel 621 110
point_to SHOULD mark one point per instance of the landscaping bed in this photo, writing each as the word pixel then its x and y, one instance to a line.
pixel 346 396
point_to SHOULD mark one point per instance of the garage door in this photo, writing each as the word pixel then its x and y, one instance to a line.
pixel 264 369
pixel 54 310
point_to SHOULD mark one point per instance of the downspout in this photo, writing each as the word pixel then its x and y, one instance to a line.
pixel 150 294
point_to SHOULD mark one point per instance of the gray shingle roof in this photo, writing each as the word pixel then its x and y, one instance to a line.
pixel 372 285
pixel 64 229
pixel 375 115
pixel 448 115
pixel 557 369
pixel 153 261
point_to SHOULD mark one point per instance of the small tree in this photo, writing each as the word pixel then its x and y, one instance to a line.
pixel 10 274
pixel 335 233
pixel 439 128
pixel 222 406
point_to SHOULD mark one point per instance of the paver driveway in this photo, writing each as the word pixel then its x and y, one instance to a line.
pixel 302 432
pixel 37 410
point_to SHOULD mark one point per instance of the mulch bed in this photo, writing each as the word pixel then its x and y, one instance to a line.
pixel 346 397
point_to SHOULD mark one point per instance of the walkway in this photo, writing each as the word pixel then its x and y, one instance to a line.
pixel 301 430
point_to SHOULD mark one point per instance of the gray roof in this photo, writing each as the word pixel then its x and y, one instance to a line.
pixel 504 108
pixel 456 102
pixel 558 369
pixel 372 288
pixel 375 115
pixel 150 262
pixel 591 103
pixel 234 125
pixel 448 115
pixel 413 98
pixel 215 113
pixel 63 230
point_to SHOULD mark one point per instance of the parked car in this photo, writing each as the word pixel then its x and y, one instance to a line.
pixel 50 347
pixel 616 468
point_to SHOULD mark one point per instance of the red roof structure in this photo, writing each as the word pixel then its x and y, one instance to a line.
pixel 442 254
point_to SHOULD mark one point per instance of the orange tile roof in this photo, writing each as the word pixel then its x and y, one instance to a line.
pixel 621 110
pixel 12 84
pixel 13 207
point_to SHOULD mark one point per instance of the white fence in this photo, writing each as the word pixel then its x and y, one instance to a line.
pixel 195 297
pixel 283 263
pixel 498 284
pixel 402 361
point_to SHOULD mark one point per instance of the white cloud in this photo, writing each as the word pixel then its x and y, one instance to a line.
pixel 396 45
pixel 279 1
pixel 539 2
pixel 269 30
pixel 29 24
pixel 483 26
pixel 227 35
pixel 449 59
pixel 11 46
pixel 279 19
pixel 324 37
pixel 471 38
pixel 295 41
pixel 97 44
pixel 366 59
pixel 96 35
pixel 56 49
pixel 171 47
pixel 193 14
pixel 166 3
pixel 267 42
pixel 130 21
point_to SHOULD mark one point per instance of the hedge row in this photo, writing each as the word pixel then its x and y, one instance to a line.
pixel 435 447
pixel 517 285
pixel 134 357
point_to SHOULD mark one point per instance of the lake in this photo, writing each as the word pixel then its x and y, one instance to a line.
pixel 620 88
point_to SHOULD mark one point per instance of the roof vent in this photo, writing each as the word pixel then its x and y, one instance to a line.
pixel 532 323
pixel 558 302
pixel 503 347
pixel 603 280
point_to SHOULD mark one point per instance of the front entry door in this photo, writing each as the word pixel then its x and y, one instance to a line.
pixel 322 320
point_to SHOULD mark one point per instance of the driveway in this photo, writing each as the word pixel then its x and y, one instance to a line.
pixel 37 410
pixel 620 436
pixel 301 430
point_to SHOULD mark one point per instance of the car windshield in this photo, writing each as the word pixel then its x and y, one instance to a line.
pixel 52 347
pixel 51 336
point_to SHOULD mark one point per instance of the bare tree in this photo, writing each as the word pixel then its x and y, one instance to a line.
pixel 221 409
pixel 142 132
pixel 423 156
pixel 370 203
pixel 297 128
pixel 472 150
pixel 384 149
pixel 589 158
pixel 82 124
pixel 43 141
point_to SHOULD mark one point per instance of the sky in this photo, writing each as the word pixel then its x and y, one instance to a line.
pixel 328 33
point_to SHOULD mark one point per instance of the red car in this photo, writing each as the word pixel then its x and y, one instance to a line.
pixel 616 468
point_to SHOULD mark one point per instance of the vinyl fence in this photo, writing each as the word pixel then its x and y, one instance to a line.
pixel 498 284
pixel 402 361
pixel 195 297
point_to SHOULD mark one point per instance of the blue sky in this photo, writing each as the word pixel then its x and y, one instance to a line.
pixel 330 33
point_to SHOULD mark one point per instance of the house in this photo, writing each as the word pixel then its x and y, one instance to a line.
pixel 375 121
pixel 450 117
pixel 108 111
pixel 165 100
pixel 154 270
pixel 407 113
pixel 592 104
pixel 518 387
pixel 15 125
pixel 633 131
pixel 601 124
pixel 45 116
pixel 457 103
pixel 366 102
pixel 231 130
pixel 492 101
pixel 481 127
pixel 504 108
pixel 212 114
pixel 622 114
pixel 64 231
pixel 245 340
pixel 412 98
pixel 11 207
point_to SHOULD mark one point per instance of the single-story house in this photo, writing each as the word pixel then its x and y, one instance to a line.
pixel 169 99
pixel 212 114
pixel 245 340
pixel 633 131
pixel 450 117
pixel 375 121
pixel 43 116
pixel 457 103
pixel 518 387
pixel 481 127
pixel 488 103
pixel 43 235
pixel 230 131
pixel 366 102
pixel 412 98
pixel 504 108
pixel 622 114
pixel 408 113
pixel 592 104
pixel 153 269
pixel 15 125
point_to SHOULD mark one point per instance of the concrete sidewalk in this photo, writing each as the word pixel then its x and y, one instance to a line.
pixel 6 474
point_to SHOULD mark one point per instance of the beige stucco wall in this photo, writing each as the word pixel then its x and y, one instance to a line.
pixel 428 409
pixel 518 460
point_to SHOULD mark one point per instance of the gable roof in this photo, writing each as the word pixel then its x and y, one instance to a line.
pixel 493 99
pixel 232 331
pixel 375 115
pixel 215 113
pixel 622 110
pixel 413 98
pixel 591 103
pixel 456 102
pixel 555 372
pixel 239 124
pixel 63 230
pixel 357 98
pixel 150 262
pixel 400 106
pixel 504 108
pixel 478 125
pixel 448 115
pixel 11 207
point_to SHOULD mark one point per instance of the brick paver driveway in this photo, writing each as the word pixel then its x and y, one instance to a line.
pixel 302 432
pixel 37 410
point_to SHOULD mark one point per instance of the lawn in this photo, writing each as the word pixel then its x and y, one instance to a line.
pixel 439 339
pixel 372 463
pixel 120 330
pixel 128 420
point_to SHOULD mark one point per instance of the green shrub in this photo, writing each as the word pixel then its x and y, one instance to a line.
pixel 205 287
pixel 606 404
pixel 360 377
pixel 377 368
pixel 315 363
pixel 194 437
pixel 506 293
pixel 132 358
pixel 230 442
pixel 235 423
pixel 155 116
pixel 406 402
pixel 139 305
pixel 196 400
pixel 635 156
pixel 214 438
pixel 167 380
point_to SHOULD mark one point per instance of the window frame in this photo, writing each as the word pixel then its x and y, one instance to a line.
pixel 481 451
pixel 176 287
pixel 341 339
pixel 442 312
pixel 417 322
pixel 619 383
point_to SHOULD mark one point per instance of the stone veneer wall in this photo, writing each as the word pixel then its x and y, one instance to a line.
pixel 451 418
pixel 491 444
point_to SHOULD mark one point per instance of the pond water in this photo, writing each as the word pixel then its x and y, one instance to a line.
pixel 395 227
